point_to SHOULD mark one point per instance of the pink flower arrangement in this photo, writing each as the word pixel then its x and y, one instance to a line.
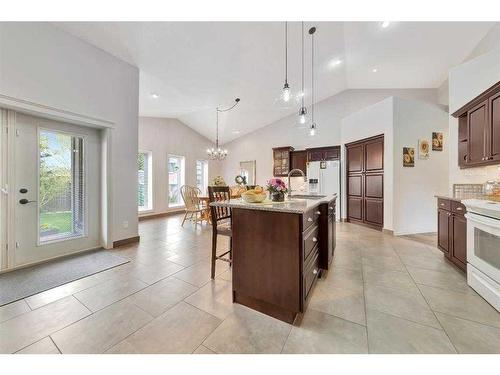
pixel 276 185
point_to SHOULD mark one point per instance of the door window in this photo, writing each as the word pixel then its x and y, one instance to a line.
pixel 61 186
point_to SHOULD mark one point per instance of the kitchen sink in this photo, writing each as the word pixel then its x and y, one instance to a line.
pixel 307 196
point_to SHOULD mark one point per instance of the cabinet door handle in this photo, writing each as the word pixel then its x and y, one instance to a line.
pixel 315 271
pixel 315 239
pixel 309 219
pixel 318 213
pixel 459 208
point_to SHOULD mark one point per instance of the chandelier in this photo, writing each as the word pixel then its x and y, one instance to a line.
pixel 217 153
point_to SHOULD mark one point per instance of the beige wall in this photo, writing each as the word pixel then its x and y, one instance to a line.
pixel 163 136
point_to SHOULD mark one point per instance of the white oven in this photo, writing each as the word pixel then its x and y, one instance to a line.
pixel 483 249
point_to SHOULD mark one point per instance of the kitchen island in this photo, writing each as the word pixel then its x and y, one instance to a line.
pixel 279 250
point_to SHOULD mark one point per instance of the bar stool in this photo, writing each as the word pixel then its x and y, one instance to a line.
pixel 221 223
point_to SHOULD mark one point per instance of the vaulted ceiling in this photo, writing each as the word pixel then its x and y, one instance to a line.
pixel 194 67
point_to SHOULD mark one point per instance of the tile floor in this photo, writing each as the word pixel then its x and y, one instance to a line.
pixel 384 295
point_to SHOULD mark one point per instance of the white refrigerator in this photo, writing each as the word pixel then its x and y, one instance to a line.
pixel 327 179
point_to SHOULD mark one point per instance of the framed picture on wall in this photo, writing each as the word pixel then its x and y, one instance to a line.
pixel 437 141
pixel 423 149
pixel 408 157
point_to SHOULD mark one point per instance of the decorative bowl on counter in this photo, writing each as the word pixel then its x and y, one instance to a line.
pixel 251 197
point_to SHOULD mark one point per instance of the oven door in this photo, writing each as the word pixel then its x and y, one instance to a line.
pixel 483 244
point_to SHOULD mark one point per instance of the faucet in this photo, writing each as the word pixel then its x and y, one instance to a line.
pixel 290 186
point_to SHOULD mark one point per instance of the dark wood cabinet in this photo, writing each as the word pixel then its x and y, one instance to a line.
pixel 323 153
pixel 494 133
pixel 299 161
pixel 479 130
pixel 452 231
pixel 444 230
pixel 281 161
pixel 327 234
pixel 365 181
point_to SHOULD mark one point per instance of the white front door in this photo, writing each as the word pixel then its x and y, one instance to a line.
pixel 56 188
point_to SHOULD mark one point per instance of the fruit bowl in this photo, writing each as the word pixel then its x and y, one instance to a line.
pixel 250 197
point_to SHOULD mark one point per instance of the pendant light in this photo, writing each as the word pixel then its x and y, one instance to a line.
pixel 285 96
pixel 218 153
pixel 313 126
pixel 303 109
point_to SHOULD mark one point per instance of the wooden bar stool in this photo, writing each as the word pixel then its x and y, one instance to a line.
pixel 221 223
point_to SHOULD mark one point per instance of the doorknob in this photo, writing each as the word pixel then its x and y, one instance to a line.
pixel 25 201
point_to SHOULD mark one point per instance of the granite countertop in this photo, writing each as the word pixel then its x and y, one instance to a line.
pixel 294 206
pixel 450 198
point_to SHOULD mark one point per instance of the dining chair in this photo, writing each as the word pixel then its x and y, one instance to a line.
pixel 192 204
pixel 221 223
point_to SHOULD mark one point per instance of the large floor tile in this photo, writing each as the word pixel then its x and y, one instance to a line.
pixel 471 337
pixel 463 305
pixel 429 262
pixel 383 262
pixel 349 260
pixel 65 290
pixel 179 330
pixel 402 303
pixel 375 276
pixel 345 303
pixel 159 297
pixel 389 334
pixel 199 273
pixel 215 297
pixel 105 294
pixel 44 346
pixel 453 280
pixel 102 330
pixel 322 333
pixel 13 309
pixel 203 350
pixel 343 278
pixel 247 331
pixel 152 273
pixel 26 329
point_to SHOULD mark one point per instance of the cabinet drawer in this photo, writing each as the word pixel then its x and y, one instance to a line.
pixel 457 208
pixel 311 272
pixel 310 218
pixel 310 240
pixel 444 204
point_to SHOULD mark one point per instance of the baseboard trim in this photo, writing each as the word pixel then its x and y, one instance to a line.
pixel 126 241
pixel 388 231
pixel 161 214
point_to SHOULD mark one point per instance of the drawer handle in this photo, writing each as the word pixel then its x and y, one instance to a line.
pixel 309 219
pixel 459 208
pixel 441 204
pixel 315 239
pixel 331 208
pixel 315 271
pixel 318 213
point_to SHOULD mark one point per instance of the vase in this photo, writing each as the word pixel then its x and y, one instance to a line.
pixel 278 197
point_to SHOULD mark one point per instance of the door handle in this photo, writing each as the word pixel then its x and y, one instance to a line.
pixel 25 201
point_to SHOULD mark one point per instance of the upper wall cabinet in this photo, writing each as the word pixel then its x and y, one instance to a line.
pixel 323 153
pixel 479 130
pixel 282 161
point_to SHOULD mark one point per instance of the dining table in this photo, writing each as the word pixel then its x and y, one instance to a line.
pixel 205 204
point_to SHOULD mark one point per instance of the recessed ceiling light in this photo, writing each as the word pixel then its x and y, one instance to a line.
pixel 385 24
pixel 335 62
pixel 374 70
pixel 155 96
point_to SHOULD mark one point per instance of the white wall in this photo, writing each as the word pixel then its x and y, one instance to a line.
pixel 329 113
pixel 371 121
pixel 409 203
pixel 45 65
pixel 466 81
pixel 163 136
pixel 414 204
